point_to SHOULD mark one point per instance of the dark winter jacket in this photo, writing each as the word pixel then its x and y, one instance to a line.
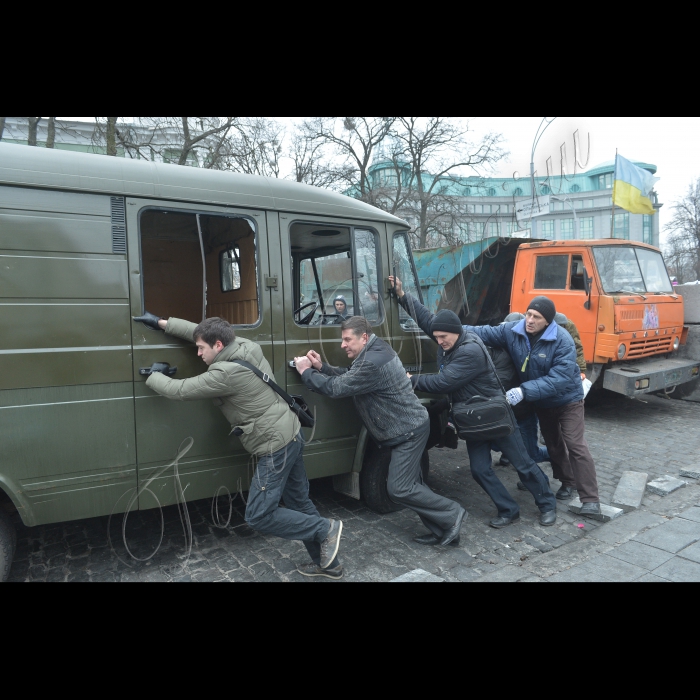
pixel 465 372
pixel 551 377
pixel 382 391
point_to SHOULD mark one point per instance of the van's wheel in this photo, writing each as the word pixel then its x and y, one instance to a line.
pixel 374 478
pixel 8 544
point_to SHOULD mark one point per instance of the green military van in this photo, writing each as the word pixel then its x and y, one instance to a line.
pixel 88 242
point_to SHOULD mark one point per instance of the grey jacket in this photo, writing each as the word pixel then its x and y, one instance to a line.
pixel 382 391
pixel 264 418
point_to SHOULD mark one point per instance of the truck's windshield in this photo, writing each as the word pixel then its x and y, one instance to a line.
pixel 633 270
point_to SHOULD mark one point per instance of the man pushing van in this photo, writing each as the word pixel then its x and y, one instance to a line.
pixel 267 429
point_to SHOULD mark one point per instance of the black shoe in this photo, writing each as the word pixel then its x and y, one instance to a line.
pixel 434 541
pixel 504 462
pixel 522 487
pixel 549 519
pixel 329 548
pixel 502 523
pixel 453 534
pixel 313 571
pixel 591 510
pixel 566 494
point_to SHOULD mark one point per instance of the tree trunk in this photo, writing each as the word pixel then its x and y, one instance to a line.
pixel 33 129
pixel 423 227
pixel 111 136
pixel 51 138
pixel 2 126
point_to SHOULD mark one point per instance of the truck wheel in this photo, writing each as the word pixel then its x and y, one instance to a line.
pixel 374 478
pixel 8 543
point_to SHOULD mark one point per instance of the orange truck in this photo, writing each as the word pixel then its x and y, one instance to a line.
pixel 620 296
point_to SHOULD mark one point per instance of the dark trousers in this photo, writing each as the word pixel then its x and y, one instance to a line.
pixel 530 474
pixel 406 486
pixel 564 431
pixel 529 429
pixel 282 475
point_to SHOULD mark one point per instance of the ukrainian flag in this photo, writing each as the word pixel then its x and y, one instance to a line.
pixel 633 187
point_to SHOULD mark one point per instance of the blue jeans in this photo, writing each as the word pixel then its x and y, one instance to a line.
pixel 529 429
pixel 531 475
pixel 282 475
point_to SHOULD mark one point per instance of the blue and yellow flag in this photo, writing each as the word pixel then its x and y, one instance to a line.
pixel 633 187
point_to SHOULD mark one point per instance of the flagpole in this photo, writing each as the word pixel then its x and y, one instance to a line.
pixel 612 217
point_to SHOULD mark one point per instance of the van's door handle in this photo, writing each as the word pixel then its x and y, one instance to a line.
pixel 167 370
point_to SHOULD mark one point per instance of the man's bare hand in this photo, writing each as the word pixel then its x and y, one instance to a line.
pixel 303 364
pixel 316 360
pixel 397 284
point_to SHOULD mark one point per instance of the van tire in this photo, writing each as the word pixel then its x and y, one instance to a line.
pixel 8 545
pixel 374 478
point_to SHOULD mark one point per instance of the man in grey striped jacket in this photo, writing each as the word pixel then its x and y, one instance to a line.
pixel 394 416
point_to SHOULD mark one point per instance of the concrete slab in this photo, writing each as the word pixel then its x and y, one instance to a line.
pixel 673 537
pixel 617 571
pixel 691 472
pixel 641 555
pixel 650 578
pixel 418 576
pixel 679 571
pixel 630 491
pixel 693 514
pixel 691 297
pixel 666 485
pixel 692 553
pixel 579 574
pixel 608 513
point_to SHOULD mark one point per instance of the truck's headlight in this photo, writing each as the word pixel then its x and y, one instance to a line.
pixel 622 352
pixel 676 343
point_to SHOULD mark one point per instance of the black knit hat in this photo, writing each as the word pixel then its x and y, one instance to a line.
pixel 545 307
pixel 447 322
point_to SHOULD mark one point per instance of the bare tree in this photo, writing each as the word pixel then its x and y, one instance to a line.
pixel 314 165
pixel 438 151
pixel 2 126
pixel 51 133
pixel 254 147
pixel 355 141
pixel 684 232
pixel 32 130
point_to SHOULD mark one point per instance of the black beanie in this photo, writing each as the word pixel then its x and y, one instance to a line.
pixel 545 307
pixel 447 322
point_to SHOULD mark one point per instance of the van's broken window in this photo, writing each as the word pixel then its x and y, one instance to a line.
pixel 172 267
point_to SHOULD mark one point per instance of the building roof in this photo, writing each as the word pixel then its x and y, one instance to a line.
pixel 81 172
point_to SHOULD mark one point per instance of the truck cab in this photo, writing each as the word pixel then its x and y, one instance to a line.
pixel 621 298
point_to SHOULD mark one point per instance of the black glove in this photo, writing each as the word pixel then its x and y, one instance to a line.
pixel 150 321
pixel 159 368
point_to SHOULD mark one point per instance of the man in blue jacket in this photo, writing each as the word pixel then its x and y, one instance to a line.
pixel 545 356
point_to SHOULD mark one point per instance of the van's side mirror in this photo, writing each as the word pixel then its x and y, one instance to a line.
pixel 588 281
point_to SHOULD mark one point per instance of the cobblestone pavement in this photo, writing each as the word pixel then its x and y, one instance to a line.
pixel 658 542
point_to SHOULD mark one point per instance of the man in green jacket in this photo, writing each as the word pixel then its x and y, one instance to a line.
pixel 267 429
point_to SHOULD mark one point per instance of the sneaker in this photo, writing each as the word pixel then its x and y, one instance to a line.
pixel 329 549
pixel 313 571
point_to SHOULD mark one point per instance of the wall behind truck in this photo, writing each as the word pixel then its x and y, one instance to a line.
pixel 691 351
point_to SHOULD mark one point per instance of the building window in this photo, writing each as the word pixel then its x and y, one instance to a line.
pixel 622 226
pixel 495 230
pixel 518 192
pixel 547 230
pixel 605 182
pixel 587 228
pixel 546 190
pixel 567 230
pixel 649 230
pixel 575 188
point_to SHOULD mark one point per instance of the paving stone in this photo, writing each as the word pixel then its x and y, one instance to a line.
pixel 673 537
pixel 608 513
pixel 692 514
pixel 641 555
pixel 579 574
pixel 508 574
pixel 630 491
pixel 666 485
pixel 650 578
pixel 418 576
pixel 691 472
pixel 617 571
pixel 691 553
pixel 679 571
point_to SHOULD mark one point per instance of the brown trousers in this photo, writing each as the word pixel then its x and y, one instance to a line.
pixel 564 431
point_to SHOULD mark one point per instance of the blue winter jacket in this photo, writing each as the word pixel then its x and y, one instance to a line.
pixel 551 377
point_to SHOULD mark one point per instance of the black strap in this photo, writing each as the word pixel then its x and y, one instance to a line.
pixel 473 338
pixel 266 378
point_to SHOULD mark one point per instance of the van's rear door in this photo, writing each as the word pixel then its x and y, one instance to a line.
pixel 167 279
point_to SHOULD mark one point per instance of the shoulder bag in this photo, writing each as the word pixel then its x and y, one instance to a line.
pixel 297 404
pixel 484 419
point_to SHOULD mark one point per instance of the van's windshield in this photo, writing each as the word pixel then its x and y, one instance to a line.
pixel 632 270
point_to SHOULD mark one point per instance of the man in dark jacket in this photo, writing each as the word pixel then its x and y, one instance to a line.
pixel 545 356
pixel 393 415
pixel 465 372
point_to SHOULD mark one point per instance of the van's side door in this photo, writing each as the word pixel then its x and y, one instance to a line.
pixel 167 244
